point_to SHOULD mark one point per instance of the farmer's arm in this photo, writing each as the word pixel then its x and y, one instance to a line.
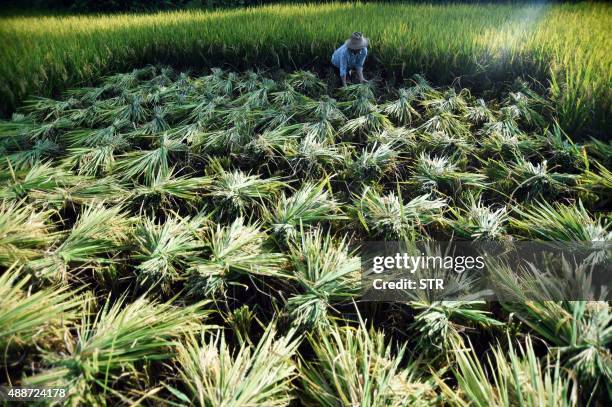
pixel 342 67
pixel 359 64
pixel 360 75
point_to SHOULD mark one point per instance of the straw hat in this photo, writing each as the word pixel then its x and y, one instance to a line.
pixel 357 41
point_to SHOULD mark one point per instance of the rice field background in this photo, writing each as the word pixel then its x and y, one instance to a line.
pixel 564 46
pixel 188 232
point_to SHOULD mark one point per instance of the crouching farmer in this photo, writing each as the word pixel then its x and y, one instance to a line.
pixel 349 58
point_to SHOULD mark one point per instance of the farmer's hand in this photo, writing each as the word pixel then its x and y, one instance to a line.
pixel 360 76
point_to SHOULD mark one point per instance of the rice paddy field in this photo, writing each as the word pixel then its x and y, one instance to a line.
pixel 184 196
pixel 563 46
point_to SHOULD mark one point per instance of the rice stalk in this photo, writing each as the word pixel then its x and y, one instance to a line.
pixel 30 317
pixel 355 366
pixel 388 217
pixel 121 338
pixel 307 206
pixel 511 378
pixel 25 232
pixel 213 374
pixel 233 253
pixel 560 222
pixel 326 272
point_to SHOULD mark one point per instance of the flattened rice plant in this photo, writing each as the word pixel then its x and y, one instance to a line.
pixel 213 375
pixel 388 217
pixel 354 366
pixel 92 161
pixel 443 143
pixel 325 109
pixel 25 232
pixel 360 99
pixel 156 125
pixel 505 126
pixel 96 236
pixel 480 222
pixel 226 140
pixel 164 250
pixel 167 190
pixel 560 222
pixel 27 157
pixel 28 317
pixel 597 183
pixel 147 164
pixel 311 157
pixel 287 96
pixel 307 82
pixel 371 122
pixel 581 332
pixel 270 143
pixel 36 182
pixel 442 174
pixel 479 112
pixel 448 123
pixel 437 325
pixel 238 193
pixel 564 152
pixel 402 109
pixel 221 83
pixel 402 137
pixel 374 162
pixel 121 338
pixel 97 137
pixel 326 273
pixel 511 378
pixel 307 206
pixel 508 146
pixel 528 106
pixel 322 130
pixel 536 180
pixel 234 252
pixel 132 109
pixel 450 101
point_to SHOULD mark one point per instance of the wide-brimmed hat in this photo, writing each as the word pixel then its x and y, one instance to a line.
pixel 357 41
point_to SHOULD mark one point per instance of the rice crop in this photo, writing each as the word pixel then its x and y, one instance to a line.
pixel 169 238
pixel 563 46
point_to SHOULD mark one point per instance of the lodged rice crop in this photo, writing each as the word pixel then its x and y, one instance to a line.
pixel 563 46
pixel 196 238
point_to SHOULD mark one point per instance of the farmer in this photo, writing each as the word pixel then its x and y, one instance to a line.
pixel 351 56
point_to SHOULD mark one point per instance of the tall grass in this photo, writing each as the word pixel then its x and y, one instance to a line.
pixel 563 46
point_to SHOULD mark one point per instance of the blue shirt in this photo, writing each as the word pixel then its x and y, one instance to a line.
pixel 344 59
